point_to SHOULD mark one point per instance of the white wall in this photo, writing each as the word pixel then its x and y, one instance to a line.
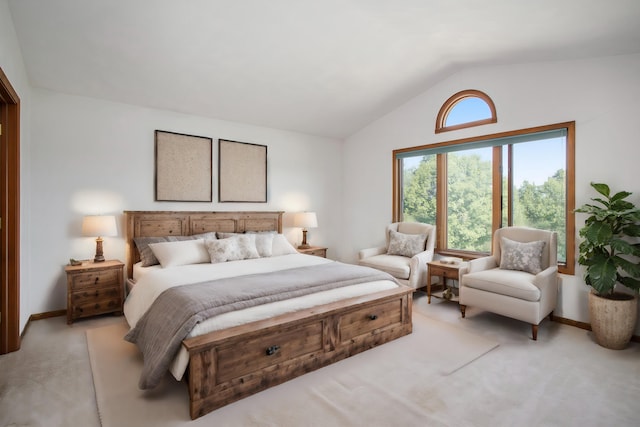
pixel 92 156
pixel 601 95
pixel 12 64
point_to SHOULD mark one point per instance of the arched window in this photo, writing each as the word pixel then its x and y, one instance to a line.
pixel 466 109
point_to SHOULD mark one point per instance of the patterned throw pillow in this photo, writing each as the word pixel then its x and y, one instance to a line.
pixel 521 256
pixel 406 244
pixel 262 239
pixel 241 246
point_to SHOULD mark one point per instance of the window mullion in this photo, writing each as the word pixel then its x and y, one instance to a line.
pixel 441 202
pixel 510 185
pixel 497 189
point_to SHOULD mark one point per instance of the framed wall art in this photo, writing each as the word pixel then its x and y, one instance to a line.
pixel 242 172
pixel 183 167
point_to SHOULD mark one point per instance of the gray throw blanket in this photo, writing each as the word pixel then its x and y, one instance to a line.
pixel 176 311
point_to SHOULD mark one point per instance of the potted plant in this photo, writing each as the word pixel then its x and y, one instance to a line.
pixel 611 257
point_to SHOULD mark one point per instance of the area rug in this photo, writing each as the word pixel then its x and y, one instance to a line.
pixel 393 384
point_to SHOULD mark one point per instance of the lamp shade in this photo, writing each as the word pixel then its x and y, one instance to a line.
pixel 305 220
pixel 99 226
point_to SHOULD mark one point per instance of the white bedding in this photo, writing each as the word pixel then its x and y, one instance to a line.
pixel 152 281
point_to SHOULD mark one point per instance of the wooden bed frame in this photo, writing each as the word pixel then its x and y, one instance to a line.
pixel 228 365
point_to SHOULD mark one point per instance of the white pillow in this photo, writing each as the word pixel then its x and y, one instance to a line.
pixel 264 243
pixel 241 246
pixel 184 252
pixel 281 246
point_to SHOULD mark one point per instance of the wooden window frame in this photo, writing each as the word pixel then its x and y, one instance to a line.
pixel 450 103
pixel 441 213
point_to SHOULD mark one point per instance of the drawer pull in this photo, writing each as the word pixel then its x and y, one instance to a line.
pixel 97 278
pixel 272 350
pixel 373 316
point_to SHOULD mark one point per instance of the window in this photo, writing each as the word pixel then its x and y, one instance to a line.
pixel 466 109
pixel 471 187
pixel 469 200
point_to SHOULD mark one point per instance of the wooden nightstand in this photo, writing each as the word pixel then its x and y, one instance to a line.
pixel 314 250
pixel 445 271
pixel 94 288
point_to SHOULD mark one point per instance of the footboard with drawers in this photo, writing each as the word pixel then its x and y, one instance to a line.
pixel 229 365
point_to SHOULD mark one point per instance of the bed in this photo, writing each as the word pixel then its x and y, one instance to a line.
pixel 242 352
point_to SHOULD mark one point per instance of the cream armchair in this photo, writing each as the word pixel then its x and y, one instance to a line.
pixel 519 280
pixel 409 246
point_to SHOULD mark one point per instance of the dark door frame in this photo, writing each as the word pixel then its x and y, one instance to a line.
pixel 9 217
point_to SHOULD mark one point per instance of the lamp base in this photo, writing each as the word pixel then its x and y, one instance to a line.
pixel 99 255
pixel 304 244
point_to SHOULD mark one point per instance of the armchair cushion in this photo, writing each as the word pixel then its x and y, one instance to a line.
pixel 521 256
pixel 513 283
pixel 406 245
pixel 396 265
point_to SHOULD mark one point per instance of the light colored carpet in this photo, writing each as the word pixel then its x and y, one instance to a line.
pixel 563 379
pixel 389 385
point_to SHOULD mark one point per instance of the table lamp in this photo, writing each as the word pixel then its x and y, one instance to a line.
pixel 99 225
pixel 305 220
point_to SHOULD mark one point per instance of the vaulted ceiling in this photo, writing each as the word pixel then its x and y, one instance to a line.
pixel 324 67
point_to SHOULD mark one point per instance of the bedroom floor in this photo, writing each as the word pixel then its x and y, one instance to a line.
pixel 49 382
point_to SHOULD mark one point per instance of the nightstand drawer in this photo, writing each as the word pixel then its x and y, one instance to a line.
pixel 95 295
pixel 318 252
pixel 97 306
pixel 96 278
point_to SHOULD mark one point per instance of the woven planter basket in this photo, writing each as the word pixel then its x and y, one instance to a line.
pixel 613 320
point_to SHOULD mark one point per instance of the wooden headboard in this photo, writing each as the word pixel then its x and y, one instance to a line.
pixel 186 223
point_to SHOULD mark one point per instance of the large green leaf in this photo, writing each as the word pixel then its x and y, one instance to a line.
pixel 602 276
pixel 587 208
pixel 619 196
pixel 630 283
pixel 621 205
pixel 603 202
pixel 621 246
pixel 598 233
pixel 629 267
pixel 601 188
pixel 632 230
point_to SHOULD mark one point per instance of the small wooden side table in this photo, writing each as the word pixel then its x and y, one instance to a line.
pixel 314 250
pixel 445 271
pixel 94 288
